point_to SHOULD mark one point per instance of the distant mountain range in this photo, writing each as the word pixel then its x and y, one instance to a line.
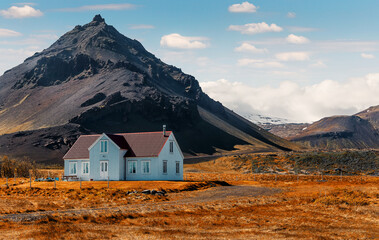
pixel 359 131
pixel 94 79
pixel 260 119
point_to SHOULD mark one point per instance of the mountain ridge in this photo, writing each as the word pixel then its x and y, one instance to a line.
pixel 96 79
pixel 358 131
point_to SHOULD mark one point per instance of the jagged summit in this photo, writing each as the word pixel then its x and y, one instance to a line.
pixel 96 78
pixel 98 18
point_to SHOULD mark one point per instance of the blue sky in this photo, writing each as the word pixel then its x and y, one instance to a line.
pixel 296 59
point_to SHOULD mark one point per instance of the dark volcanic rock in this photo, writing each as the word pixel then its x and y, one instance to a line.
pixel 95 99
pixel 93 74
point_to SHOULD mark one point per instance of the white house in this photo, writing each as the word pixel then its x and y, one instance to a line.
pixel 125 156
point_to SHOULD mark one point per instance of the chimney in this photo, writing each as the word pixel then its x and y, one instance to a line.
pixel 164 130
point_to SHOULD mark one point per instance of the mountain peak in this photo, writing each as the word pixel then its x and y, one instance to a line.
pixel 98 18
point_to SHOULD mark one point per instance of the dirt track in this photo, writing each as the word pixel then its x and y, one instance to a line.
pixel 190 200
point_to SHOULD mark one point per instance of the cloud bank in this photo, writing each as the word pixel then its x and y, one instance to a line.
pixel 244 7
pixel 297 103
pixel 247 47
pixel 292 56
pixel 367 56
pixel 292 38
pixel 254 28
pixel 25 11
pixel 8 33
pixel 178 41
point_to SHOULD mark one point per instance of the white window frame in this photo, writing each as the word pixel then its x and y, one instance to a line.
pixel 105 144
pixel 70 167
pixel 177 167
pixel 83 168
pixel 142 166
pixel 163 167
pixel 171 146
pixel 129 164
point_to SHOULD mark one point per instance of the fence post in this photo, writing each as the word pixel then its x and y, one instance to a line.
pixel 108 181
pixel 15 172
pixel 7 182
pixel 80 180
pixel 30 180
pixel 55 184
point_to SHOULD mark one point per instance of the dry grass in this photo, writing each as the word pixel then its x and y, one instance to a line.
pixel 43 197
pixel 307 208
pixel 295 214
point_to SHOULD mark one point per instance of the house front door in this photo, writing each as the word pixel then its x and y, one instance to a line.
pixel 104 170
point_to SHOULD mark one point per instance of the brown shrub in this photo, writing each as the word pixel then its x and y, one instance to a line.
pixel 345 196
pixel 20 168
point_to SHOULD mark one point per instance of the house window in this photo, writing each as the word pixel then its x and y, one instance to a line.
pixel 145 167
pixel 132 166
pixel 171 147
pixel 85 167
pixel 164 170
pixel 177 166
pixel 104 146
pixel 72 168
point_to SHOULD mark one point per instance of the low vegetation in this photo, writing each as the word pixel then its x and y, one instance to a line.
pixel 279 204
pixel 309 209
pixel 327 163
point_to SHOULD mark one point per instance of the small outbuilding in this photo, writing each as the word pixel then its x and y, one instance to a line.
pixel 125 156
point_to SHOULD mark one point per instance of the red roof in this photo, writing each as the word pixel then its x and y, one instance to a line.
pixel 143 144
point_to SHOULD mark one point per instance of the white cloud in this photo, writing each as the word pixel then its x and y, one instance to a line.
pixel 318 64
pixel 291 15
pixel 244 7
pixel 254 28
pixel 247 47
pixel 367 56
pixel 292 38
pixel 292 56
pixel 21 12
pixel 114 7
pixel 291 101
pixel 176 40
pixel 8 33
pixel 259 63
pixel 141 26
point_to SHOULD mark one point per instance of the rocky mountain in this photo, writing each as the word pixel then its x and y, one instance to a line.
pixel 285 130
pixel 94 79
pixel 372 115
pixel 341 132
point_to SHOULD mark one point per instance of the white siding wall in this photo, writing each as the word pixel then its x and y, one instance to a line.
pixel 156 164
pixel 112 156
pixel 79 168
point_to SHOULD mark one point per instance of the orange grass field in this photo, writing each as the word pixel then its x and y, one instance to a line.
pixel 304 208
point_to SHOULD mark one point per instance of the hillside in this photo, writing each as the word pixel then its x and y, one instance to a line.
pixel 372 115
pixel 94 79
pixel 339 132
